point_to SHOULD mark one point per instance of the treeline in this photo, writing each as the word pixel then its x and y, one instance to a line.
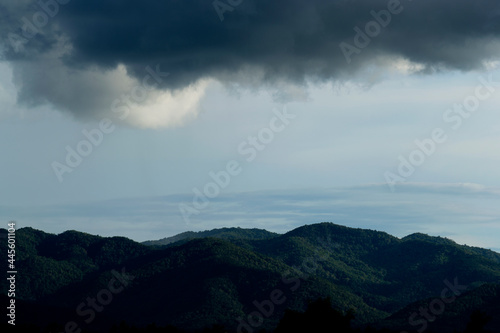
pixel 319 316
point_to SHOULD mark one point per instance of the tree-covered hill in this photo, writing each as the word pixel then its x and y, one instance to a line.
pixel 223 276
pixel 223 233
pixel 455 315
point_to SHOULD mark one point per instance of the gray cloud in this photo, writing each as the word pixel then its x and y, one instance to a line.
pixel 260 43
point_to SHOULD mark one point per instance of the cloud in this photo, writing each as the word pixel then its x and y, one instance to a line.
pixel 94 93
pixel 460 211
pixel 88 53
pixel 169 108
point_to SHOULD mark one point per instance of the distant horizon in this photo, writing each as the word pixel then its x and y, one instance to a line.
pixel 497 250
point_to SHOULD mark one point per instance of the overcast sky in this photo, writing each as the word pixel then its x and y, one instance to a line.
pixel 146 119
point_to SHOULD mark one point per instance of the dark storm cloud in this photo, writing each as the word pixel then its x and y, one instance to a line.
pixel 259 41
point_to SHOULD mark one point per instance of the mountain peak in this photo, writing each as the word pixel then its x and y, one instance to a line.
pixel 428 238
pixel 222 233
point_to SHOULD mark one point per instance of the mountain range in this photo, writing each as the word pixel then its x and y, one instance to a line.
pixel 246 279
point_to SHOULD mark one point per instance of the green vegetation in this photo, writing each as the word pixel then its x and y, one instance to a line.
pixel 198 280
pixel 222 233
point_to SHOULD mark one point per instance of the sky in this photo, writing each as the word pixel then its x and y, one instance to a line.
pixel 148 119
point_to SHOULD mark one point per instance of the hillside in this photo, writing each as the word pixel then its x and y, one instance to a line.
pixel 222 233
pixel 215 277
pixel 456 314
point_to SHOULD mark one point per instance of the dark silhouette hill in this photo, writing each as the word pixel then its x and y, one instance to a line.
pixel 222 277
pixel 222 233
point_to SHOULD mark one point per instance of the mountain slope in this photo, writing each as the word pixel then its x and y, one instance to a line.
pixel 453 316
pixel 222 233
pixel 219 283
pixel 50 262
pixel 194 283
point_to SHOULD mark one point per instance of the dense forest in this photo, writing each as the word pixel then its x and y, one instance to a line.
pixel 319 316
pixel 320 275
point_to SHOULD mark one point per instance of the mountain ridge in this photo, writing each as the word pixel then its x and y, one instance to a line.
pixel 224 233
pixel 199 282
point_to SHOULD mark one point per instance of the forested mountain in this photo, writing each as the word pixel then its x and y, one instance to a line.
pixel 455 314
pixel 234 277
pixel 223 233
